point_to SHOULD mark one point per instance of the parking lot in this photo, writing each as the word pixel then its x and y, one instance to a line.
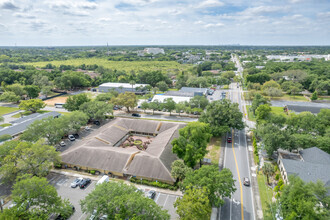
pixel 62 183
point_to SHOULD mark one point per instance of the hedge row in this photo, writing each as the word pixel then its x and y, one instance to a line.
pixel 255 148
pixel 154 183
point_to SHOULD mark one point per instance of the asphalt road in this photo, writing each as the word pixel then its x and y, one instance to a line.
pixel 240 206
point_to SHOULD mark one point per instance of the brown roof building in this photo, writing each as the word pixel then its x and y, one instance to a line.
pixel 112 149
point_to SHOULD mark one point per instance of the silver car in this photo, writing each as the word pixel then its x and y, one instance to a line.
pixel 76 182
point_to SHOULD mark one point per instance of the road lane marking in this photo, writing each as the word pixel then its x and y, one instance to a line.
pixel 239 178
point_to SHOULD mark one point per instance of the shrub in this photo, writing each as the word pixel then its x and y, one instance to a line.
pixel 280 183
pixel 92 172
pixel 276 189
pixel 281 188
pixel 154 183
pixel 277 177
pixel 5 137
pixel 277 195
pixel 58 166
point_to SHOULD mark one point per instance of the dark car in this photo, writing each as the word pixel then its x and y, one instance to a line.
pixel 96 122
pixel 229 140
pixel 151 194
pixel 246 181
pixel 136 115
pixel 76 136
pixel 84 183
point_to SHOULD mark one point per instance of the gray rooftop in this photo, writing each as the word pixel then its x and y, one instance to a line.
pixel 313 167
pixel 180 93
pixel 22 123
pixel 191 89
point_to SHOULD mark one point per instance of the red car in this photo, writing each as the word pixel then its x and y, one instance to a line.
pixel 229 140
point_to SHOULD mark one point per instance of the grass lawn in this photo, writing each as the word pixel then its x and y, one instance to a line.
pixel 214 150
pixel 18 115
pixel 173 90
pixel 6 110
pixel 66 113
pixel 266 194
pixel 287 97
pixel 275 110
pixel 5 125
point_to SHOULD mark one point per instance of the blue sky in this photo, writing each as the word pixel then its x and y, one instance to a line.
pixel 164 22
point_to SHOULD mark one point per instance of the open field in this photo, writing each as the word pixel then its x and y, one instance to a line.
pixel 6 110
pixel 287 97
pixel 214 150
pixel 118 65
pixel 59 99
pixel 275 110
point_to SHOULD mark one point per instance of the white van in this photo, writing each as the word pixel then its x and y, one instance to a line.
pixel 104 178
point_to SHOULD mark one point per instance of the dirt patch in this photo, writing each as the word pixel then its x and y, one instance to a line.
pixel 52 101
pixel 214 150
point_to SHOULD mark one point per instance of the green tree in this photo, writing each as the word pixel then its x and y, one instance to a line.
pixel 198 102
pixel 32 105
pixel 162 86
pixel 179 170
pixel 222 116
pixel 41 158
pixel 35 197
pixel 314 96
pixel 9 97
pixel 32 91
pixel 46 90
pixel 16 88
pixel 219 184
pixel 5 149
pixel 155 105
pixel 132 83
pixel 120 201
pixel 268 170
pixel 258 100
pixel 96 110
pixel 192 142
pixel 74 102
pixel 301 200
pixel 263 112
pixel 76 120
pixel 127 99
pixel 145 106
pixel 194 205
pixel 169 104
pixel 106 97
pixel 180 107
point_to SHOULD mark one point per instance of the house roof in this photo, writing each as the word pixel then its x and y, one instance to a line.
pixel 312 167
pixel 99 149
pixel 117 85
pixel 21 124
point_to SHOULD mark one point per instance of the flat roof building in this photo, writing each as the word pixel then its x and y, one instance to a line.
pixel 122 87
pixel 176 99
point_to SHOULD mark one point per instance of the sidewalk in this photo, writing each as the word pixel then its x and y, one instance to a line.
pixel 96 178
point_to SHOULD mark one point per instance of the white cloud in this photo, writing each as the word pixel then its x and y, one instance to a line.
pixel 213 25
pixel 209 4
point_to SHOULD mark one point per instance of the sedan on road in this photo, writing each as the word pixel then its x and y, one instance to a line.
pixel 229 140
pixel 136 115
pixel 246 181
pixel 84 183
pixel 76 182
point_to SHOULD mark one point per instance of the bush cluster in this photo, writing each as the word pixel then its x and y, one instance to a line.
pixel 255 149
pixel 5 137
pixel 154 183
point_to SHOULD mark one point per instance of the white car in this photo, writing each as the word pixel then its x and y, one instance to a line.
pixel 76 182
pixel 62 144
pixel 71 137
pixel 87 128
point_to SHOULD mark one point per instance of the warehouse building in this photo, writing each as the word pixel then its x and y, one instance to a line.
pixel 123 87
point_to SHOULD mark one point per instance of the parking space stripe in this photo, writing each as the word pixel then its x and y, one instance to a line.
pixel 157 197
pixel 166 200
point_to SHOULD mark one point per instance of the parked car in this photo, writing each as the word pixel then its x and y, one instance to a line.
pixel 151 194
pixel 96 122
pixel 87 128
pixel 71 137
pixel 246 181
pixel 76 182
pixel 84 183
pixel 229 140
pixel 62 144
pixel 136 115
pixel 76 136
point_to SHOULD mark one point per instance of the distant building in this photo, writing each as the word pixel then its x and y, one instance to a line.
pixel 176 99
pixel 196 91
pixel 154 51
pixel 123 87
pixel 310 165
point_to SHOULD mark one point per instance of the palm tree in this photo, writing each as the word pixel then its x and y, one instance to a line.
pixel 132 82
pixel 268 170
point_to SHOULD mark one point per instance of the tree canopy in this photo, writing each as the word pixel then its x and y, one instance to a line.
pixel 96 110
pixel 121 201
pixel 74 102
pixel 222 116
pixel 127 99
pixel 192 142
pixel 32 105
